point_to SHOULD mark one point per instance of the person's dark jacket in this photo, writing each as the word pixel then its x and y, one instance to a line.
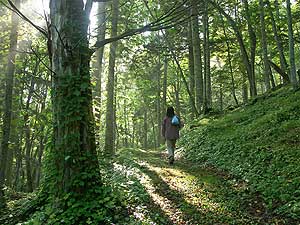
pixel 169 131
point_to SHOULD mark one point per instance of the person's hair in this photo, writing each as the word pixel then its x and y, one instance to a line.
pixel 170 112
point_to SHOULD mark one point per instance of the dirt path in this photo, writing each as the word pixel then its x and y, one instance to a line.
pixel 185 193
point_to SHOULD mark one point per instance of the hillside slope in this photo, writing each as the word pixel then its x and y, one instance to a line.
pixel 258 143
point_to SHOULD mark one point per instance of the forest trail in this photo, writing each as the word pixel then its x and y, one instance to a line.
pixel 185 193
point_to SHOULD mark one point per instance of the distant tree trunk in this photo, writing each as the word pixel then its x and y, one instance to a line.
pixel 233 91
pixel 197 57
pixel 291 46
pixel 158 101
pixel 99 56
pixel 126 123
pixel 283 62
pixel 206 47
pixel 8 102
pixel 42 140
pixel 177 97
pixel 109 130
pixel 252 38
pixel 246 60
pixel 221 97
pixel 191 61
pixel 145 130
pixel 164 88
pixel 244 86
pixel 27 137
pixel 264 46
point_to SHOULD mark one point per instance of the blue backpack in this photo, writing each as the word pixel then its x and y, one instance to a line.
pixel 175 120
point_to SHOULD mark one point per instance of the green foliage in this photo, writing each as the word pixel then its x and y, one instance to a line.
pixel 98 206
pixel 258 143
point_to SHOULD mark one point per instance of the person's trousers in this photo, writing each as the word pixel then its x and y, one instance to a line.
pixel 171 148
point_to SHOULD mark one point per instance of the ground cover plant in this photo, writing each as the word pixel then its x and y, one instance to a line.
pixel 258 143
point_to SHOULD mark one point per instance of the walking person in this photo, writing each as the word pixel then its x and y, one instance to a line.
pixel 170 127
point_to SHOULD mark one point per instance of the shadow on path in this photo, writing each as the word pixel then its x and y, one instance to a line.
pixel 190 195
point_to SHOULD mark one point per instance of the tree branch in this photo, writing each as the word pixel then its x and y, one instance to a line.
pixel 20 14
pixel 172 18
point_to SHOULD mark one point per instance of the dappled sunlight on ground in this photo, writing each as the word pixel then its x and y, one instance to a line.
pixel 184 193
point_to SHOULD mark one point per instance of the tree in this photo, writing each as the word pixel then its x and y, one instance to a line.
pixel 291 46
pixel 197 57
pixel 267 68
pixel 8 101
pixel 110 111
pixel 73 153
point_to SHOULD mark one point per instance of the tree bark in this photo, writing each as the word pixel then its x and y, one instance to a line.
pixel 99 58
pixel 74 151
pixel 109 130
pixel 7 116
pixel 233 91
pixel 207 104
pixel 252 37
pixel 293 77
pixel 197 58
pixel 158 102
pixel 283 62
pixel 264 46
pixel 191 61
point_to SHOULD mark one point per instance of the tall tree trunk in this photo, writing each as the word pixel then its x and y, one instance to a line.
pixel 293 77
pixel 191 62
pixel 207 78
pixel 28 144
pixel 74 150
pixel 246 61
pixel 197 58
pixel 8 101
pixel 283 62
pixel 158 101
pixel 233 91
pixel 99 57
pixel 244 85
pixel 164 88
pixel 145 130
pixel 252 38
pixel 264 46
pixel 221 97
pixel 109 130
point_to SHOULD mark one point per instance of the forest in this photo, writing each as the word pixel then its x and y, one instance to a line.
pixel 85 92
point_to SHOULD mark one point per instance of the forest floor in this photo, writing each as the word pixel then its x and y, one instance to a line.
pixel 186 193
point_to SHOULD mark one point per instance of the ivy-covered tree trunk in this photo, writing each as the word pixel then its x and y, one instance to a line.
pixel 72 166
pixel 7 116
pixel 110 119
